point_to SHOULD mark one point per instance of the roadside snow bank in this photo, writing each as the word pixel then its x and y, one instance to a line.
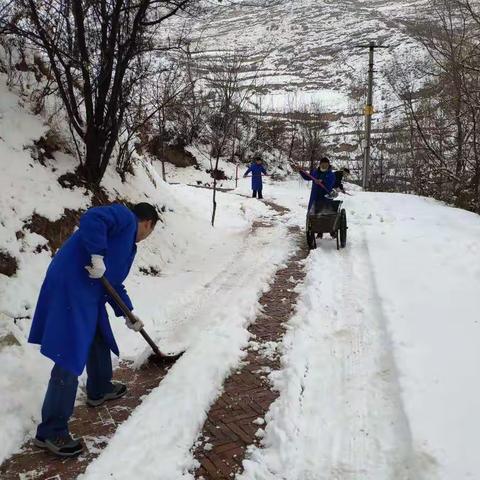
pixel 425 258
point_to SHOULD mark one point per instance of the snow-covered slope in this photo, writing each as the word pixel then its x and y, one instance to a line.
pixel 178 270
pixel 311 45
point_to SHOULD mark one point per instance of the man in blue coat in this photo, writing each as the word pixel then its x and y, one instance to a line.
pixel 70 321
pixel 257 169
pixel 323 180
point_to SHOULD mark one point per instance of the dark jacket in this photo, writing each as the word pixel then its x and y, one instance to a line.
pixel 338 180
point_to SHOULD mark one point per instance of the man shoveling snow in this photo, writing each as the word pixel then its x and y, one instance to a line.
pixel 322 193
pixel 323 180
pixel 71 322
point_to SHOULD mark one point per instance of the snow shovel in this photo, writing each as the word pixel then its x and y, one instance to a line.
pixel 121 304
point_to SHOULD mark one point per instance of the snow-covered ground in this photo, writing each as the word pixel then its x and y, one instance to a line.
pixel 380 361
pixel 202 298
pixel 379 365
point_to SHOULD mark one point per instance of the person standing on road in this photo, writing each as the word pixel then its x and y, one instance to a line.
pixel 257 169
pixel 71 322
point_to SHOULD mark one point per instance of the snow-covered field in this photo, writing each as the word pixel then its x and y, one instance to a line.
pixel 309 46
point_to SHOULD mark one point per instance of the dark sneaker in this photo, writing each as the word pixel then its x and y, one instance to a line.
pixel 61 446
pixel 319 235
pixel 119 390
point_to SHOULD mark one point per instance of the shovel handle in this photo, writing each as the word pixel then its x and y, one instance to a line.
pixel 121 304
pixel 154 347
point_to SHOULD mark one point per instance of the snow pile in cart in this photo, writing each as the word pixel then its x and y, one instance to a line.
pixel 178 271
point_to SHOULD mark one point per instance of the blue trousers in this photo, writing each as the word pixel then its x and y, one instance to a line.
pixel 62 389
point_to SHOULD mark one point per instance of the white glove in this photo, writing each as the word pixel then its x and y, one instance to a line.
pixel 135 326
pixel 97 267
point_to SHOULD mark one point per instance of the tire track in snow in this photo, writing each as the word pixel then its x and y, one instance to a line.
pixel 340 414
pixel 232 276
pixel 373 438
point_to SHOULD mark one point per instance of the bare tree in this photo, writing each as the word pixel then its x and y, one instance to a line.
pixel 229 92
pixel 6 9
pixel 189 115
pixel 97 52
pixel 440 94
pixel 155 105
pixel 308 125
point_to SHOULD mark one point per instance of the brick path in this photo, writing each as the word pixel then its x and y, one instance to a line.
pixel 230 426
pixel 95 425
pixel 236 418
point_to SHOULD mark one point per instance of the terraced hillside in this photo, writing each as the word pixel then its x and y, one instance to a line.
pixel 311 43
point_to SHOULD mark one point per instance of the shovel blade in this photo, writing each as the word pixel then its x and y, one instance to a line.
pixel 164 359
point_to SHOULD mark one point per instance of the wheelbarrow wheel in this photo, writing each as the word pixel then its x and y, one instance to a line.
pixel 343 228
pixel 311 242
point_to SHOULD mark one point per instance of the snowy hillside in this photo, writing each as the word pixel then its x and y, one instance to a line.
pixel 311 44
pixel 378 366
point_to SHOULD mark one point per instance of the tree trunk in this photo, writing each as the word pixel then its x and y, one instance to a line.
pixel 93 158
pixel 162 136
pixel 214 198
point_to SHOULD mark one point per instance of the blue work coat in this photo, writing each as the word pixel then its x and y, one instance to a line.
pixel 318 193
pixel 71 305
pixel 257 171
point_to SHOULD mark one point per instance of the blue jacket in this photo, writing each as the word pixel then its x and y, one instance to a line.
pixel 257 171
pixel 318 192
pixel 71 305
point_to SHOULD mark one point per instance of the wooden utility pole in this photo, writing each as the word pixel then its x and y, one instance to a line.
pixel 368 112
pixel 162 127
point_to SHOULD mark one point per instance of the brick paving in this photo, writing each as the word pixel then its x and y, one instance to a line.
pixel 94 425
pixel 233 421
pixel 236 419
